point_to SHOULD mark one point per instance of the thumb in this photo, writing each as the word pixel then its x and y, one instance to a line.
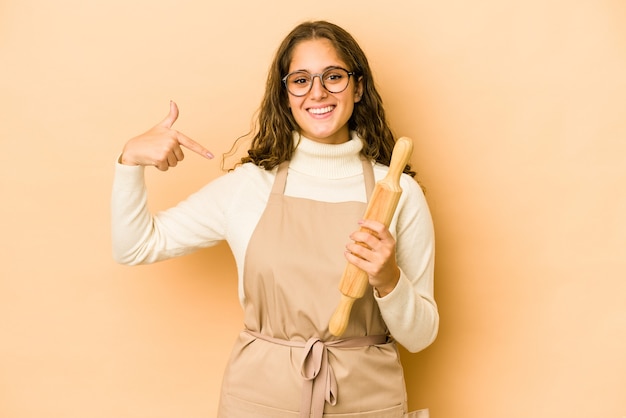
pixel 171 117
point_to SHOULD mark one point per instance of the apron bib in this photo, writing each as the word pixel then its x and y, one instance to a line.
pixel 286 363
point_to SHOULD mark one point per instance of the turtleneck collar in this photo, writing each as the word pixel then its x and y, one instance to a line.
pixel 331 161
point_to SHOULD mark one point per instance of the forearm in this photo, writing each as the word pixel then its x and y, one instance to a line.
pixel 410 310
pixel 138 237
pixel 412 318
pixel 131 222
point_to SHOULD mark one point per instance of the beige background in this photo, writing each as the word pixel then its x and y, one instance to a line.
pixel 518 112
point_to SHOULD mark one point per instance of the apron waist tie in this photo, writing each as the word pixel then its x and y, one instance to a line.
pixel 319 380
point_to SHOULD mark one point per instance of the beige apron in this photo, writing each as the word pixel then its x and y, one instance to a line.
pixel 286 363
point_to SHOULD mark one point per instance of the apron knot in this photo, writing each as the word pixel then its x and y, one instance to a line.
pixel 319 379
pixel 320 384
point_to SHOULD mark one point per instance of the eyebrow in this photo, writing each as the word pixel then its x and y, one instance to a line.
pixel 330 67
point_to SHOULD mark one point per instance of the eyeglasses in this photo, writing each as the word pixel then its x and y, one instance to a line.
pixel 334 80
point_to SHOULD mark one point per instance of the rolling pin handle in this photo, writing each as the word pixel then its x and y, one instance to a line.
pixel 339 321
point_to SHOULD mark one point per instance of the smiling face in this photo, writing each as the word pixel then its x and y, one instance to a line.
pixel 322 116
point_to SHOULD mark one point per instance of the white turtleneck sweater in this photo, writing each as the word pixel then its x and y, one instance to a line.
pixel 229 207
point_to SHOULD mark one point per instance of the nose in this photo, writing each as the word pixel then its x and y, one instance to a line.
pixel 317 89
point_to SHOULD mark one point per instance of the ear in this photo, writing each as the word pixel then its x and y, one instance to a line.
pixel 358 91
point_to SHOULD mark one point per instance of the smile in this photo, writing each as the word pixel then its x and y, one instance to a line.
pixel 321 110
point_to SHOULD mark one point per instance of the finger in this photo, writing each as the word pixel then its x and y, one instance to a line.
pixel 359 262
pixel 364 237
pixel 171 116
pixel 162 165
pixel 374 226
pixel 189 143
pixel 178 153
pixel 358 250
pixel 172 161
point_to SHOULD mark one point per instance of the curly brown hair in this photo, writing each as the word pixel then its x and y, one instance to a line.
pixel 272 142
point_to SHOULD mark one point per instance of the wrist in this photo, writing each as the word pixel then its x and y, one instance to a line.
pixel 124 161
pixel 382 292
pixel 386 289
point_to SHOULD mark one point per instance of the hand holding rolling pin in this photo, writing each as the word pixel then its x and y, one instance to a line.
pixel 375 261
pixel 374 252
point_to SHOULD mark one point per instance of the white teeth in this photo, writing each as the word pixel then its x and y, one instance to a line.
pixel 322 110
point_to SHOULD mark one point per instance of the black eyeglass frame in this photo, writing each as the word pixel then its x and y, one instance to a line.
pixel 319 75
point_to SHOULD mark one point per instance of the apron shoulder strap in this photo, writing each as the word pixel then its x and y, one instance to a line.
pixel 281 178
pixel 368 174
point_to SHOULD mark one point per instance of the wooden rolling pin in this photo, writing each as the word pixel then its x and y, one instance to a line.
pixel 381 208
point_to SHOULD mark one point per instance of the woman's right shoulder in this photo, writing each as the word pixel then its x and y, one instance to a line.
pixel 249 172
pixel 244 179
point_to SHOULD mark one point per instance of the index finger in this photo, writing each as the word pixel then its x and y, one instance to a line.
pixel 189 143
pixel 373 225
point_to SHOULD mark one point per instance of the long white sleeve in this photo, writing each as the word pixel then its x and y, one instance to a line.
pixel 410 310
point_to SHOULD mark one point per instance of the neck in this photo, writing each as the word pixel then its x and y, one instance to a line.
pixel 331 161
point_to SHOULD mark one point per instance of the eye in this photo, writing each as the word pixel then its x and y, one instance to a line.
pixel 334 75
pixel 299 78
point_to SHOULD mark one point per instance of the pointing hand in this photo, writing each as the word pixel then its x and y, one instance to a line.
pixel 161 145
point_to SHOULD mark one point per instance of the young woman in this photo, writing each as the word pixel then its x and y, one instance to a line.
pixel 291 215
